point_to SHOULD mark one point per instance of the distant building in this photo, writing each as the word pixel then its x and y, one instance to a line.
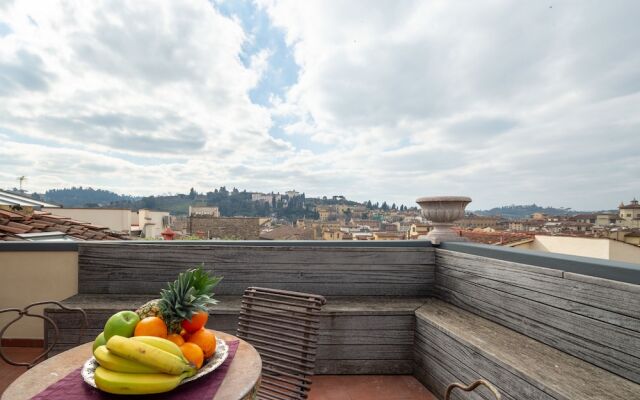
pixel 286 232
pixel 389 236
pixel 586 247
pixel 231 228
pixel 142 223
pixel 266 198
pixel 473 221
pixel 586 218
pixel 212 211
pixel 292 193
pixel 607 219
pixel 332 234
pixel 526 225
pixel 630 214
pixel 151 223
pixel 418 230
pixel 13 201
pixel 539 216
pixel 326 213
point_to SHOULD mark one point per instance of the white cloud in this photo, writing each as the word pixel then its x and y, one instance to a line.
pixel 139 77
pixel 507 102
pixel 503 101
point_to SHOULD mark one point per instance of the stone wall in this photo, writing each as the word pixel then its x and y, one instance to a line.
pixel 239 228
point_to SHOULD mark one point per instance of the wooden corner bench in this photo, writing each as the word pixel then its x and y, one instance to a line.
pixel 452 344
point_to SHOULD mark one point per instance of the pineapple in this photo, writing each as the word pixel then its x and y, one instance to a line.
pixel 187 295
pixel 149 309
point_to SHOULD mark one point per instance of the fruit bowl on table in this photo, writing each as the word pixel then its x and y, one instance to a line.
pixel 210 365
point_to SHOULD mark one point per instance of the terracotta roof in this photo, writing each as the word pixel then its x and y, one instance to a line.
pixel 633 205
pixel 13 223
pixel 495 238
pixel 286 232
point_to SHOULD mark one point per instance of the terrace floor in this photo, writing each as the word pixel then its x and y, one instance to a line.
pixel 325 387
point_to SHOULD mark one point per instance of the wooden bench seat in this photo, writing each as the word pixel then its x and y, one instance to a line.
pixel 454 345
pixel 359 334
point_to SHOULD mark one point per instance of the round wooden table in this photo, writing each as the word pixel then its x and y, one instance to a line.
pixel 240 383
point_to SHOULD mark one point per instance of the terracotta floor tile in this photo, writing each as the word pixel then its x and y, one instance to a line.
pixel 9 373
pixel 368 387
pixel 328 387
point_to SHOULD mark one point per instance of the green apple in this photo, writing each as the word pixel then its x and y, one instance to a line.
pixel 100 340
pixel 122 323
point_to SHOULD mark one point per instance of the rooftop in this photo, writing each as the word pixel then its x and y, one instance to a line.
pixel 403 318
pixel 21 226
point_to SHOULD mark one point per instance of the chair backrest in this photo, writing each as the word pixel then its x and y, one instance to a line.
pixel 25 312
pixel 472 387
pixel 283 327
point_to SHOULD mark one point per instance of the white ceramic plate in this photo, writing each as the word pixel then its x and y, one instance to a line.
pixel 221 354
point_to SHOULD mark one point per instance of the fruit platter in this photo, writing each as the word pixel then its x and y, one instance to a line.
pixel 162 344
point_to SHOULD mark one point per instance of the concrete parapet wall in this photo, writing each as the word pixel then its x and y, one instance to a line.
pixel 29 277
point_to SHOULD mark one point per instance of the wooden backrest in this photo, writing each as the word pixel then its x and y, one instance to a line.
pixel 283 327
pixel 591 318
pixel 108 268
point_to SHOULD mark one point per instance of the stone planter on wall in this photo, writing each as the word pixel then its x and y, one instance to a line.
pixel 442 211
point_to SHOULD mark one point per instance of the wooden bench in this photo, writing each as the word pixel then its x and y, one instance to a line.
pixel 367 325
pixel 455 345
pixel 359 335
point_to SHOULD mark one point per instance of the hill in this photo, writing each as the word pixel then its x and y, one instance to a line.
pixel 84 197
pixel 525 211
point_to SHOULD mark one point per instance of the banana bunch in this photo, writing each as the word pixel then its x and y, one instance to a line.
pixel 140 365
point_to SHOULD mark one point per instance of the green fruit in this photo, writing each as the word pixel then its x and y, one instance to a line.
pixel 122 323
pixel 100 341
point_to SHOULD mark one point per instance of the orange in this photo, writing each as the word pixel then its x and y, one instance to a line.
pixel 151 326
pixel 206 340
pixel 197 321
pixel 175 338
pixel 193 353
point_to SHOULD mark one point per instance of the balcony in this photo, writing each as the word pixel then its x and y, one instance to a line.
pixel 536 325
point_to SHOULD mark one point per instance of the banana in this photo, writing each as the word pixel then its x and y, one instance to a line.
pixel 162 344
pixel 116 363
pixel 149 355
pixel 123 383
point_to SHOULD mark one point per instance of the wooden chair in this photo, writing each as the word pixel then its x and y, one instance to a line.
pixel 472 387
pixel 283 327
pixel 25 312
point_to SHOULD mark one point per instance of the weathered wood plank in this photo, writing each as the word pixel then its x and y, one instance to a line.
pixel 607 283
pixel 437 374
pixel 190 255
pixel 557 373
pixel 335 288
pixel 366 336
pixel 364 367
pixel 588 339
pixel 436 379
pixel 570 306
pixel 603 295
pixel 365 352
pixel 442 351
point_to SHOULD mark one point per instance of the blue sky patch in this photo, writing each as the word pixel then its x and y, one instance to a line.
pixel 282 71
pixel 4 29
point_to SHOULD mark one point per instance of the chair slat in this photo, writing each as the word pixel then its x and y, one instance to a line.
pixel 283 326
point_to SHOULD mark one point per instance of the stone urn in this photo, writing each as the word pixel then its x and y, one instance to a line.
pixel 442 211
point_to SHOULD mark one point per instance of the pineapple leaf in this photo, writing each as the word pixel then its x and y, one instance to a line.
pixel 191 292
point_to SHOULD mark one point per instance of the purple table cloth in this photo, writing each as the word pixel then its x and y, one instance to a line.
pixel 73 387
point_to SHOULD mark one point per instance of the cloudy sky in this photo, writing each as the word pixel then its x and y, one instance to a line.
pixel 504 101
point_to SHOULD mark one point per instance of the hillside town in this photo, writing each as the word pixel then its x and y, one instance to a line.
pixel 294 217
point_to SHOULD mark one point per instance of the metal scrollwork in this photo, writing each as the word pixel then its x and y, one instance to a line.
pixel 25 312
